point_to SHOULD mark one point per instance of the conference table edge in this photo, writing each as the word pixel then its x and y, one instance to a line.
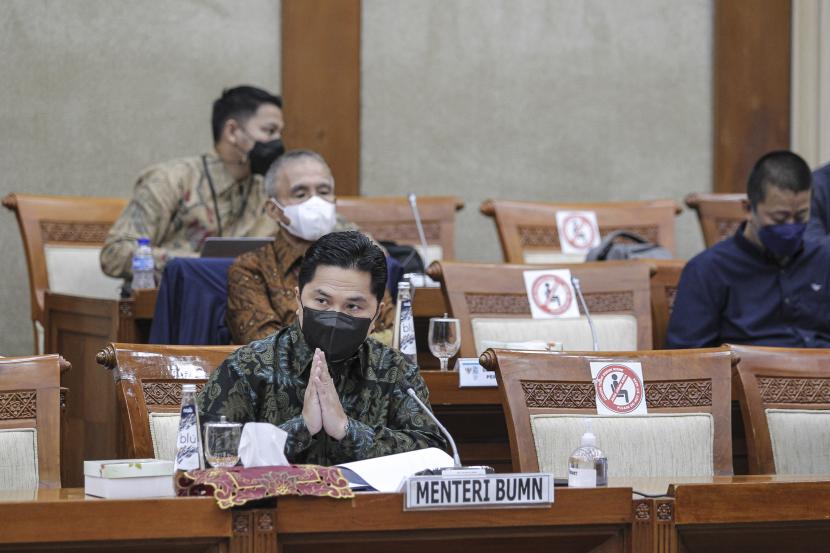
pixel 101 520
pixel 382 512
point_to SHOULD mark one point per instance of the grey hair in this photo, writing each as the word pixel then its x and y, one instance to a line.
pixel 286 158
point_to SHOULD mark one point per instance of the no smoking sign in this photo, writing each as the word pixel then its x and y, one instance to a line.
pixel 578 231
pixel 619 388
pixel 551 294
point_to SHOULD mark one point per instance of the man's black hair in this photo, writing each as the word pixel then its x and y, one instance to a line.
pixel 347 250
pixel 239 103
pixel 782 169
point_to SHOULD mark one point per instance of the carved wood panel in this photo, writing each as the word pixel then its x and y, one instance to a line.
pixel 581 395
pixel 164 393
pixel 402 232
pixel 560 395
pixel 516 304
pixel 609 302
pixel 548 236
pixel 507 304
pixel 74 231
pixel 794 390
pixel 18 405
pixel 679 393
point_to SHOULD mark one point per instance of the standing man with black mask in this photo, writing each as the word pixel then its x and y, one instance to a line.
pixel 339 394
pixel 180 203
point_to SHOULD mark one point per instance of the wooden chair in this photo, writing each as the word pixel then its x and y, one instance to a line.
pixel 545 396
pixel 30 421
pixel 528 232
pixel 62 237
pixel 719 214
pixel 664 282
pixel 784 394
pixel 390 218
pixel 491 303
pixel 148 382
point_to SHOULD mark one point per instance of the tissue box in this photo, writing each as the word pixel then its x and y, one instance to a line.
pixel 129 478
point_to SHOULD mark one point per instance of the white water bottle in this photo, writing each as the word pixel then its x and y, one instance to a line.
pixel 144 277
pixel 587 465
pixel 403 336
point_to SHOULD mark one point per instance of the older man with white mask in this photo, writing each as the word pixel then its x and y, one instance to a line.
pixel 261 283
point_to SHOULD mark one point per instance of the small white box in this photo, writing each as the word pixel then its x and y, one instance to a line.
pixel 129 478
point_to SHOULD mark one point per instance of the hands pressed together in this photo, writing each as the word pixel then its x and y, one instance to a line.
pixel 321 406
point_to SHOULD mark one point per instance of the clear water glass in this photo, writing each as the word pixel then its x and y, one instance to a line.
pixel 444 338
pixel 222 443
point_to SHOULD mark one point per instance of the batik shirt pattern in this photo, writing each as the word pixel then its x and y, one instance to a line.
pixel 265 381
pixel 261 298
pixel 172 205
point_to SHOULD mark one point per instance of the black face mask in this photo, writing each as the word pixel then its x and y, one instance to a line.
pixel 263 154
pixel 337 334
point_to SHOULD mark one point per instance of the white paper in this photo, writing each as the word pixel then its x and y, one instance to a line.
pixel 551 294
pixel 619 388
pixel 386 474
pixel 578 231
pixel 262 445
pixel 582 478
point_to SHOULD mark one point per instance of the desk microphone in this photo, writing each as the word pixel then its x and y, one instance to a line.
pixel 413 204
pixel 457 469
pixel 594 338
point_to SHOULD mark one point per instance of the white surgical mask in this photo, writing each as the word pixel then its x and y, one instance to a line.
pixel 311 219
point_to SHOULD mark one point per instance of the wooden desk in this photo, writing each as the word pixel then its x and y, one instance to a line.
pixel 736 513
pixel 579 520
pixel 65 520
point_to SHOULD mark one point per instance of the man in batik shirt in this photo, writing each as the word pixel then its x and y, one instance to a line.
pixel 340 395
pixel 261 283
pixel 180 203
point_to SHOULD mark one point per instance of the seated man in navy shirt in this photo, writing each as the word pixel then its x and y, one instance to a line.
pixel 766 285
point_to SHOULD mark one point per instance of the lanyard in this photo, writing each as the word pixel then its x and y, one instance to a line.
pixel 213 193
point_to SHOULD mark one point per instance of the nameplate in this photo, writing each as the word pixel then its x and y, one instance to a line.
pixel 472 375
pixel 492 490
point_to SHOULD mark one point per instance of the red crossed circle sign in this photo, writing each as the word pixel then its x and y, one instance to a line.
pixel 552 294
pixel 619 388
pixel 579 232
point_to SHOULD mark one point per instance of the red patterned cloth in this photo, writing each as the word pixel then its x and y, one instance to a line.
pixel 237 485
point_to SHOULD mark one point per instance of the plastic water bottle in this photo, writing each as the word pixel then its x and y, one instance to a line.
pixel 587 465
pixel 144 277
pixel 403 336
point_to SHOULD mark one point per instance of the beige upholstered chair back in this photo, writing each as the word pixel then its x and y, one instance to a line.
pixel 528 231
pixel 390 218
pixel 616 332
pixel 148 381
pixel 661 444
pixel 491 303
pixel 62 237
pixel 30 422
pixel 785 402
pixel 547 396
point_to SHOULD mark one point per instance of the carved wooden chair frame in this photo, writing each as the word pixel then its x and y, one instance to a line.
pixel 664 284
pixel 777 378
pixel 678 381
pixel 719 214
pixel 524 226
pixel 148 379
pixel 66 220
pixel 484 290
pixel 390 218
pixel 31 397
